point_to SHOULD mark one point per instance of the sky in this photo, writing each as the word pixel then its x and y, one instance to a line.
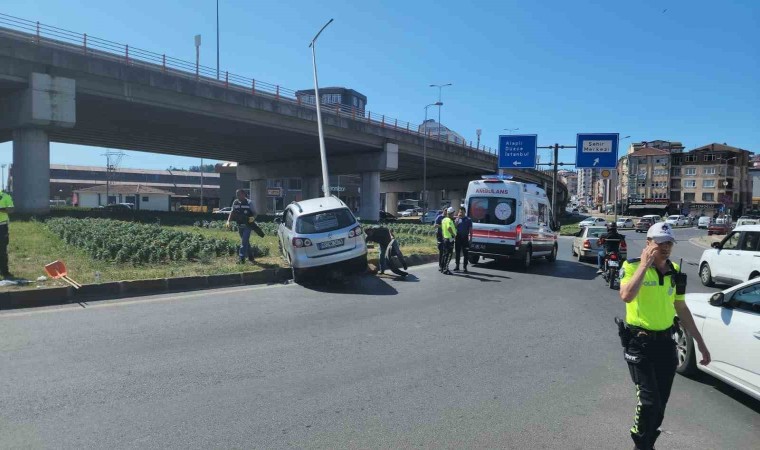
pixel 675 70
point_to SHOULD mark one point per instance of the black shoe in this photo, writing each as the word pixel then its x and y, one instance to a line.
pixel 241 261
pixel 465 269
pixel 456 269
pixel 447 272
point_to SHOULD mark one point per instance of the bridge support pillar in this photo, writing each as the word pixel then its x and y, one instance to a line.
pixel 310 187
pixel 434 199
pixel 369 208
pixel 31 170
pixel 48 103
pixel 259 195
pixel 391 202
pixel 456 198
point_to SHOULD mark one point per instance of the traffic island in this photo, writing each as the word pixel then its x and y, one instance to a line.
pixel 137 288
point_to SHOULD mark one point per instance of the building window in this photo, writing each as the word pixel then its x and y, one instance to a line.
pixel 642 184
pixel 675 171
pixel 331 98
pixel 710 157
pixel 690 158
pixel 676 161
pixel 709 171
pixel 689 183
pixel 690 171
pixel 708 197
pixel 145 199
pixel 274 182
pixel 294 184
pixel 688 196
pixel 708 183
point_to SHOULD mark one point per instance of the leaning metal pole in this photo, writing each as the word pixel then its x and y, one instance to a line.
pixel 322 152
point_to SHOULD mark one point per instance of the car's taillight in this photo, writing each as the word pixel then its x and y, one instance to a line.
pixel 613 256
pixel 301 242
pixel 586 244
pixel 518 234
pixel 623 245
pixel 356 232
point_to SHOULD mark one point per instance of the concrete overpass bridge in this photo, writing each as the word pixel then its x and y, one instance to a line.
pixel 61 86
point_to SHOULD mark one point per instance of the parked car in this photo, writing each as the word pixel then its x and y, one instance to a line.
pixel 321 235
pixel 407 213
pixel 729 322
pixel 704 222
pixel 642 226
pixel 223 211
pixel 118 207
pixel 733 260
pixel 429 217
pixel 744 220
pixel 677 220
pixel 625 222
pixel 718 228
pixel 585 244
pixel 593 222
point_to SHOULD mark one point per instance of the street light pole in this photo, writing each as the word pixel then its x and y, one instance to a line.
pixel 322 151
pixel 424 158
pixel 439 86
pixel 197 55
pixel 217 39
pixel 617 181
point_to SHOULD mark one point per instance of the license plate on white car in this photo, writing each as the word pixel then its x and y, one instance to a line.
pixel 612 263
pixel 330 244
pixel 478 246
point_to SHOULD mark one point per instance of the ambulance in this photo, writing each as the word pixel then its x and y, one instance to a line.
pixel 510 220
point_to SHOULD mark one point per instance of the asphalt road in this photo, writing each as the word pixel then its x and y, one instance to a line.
pixel 494 359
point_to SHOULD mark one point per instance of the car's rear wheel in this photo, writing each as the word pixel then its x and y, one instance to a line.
pixel 687 358
pixel 553 255
pixel 705 275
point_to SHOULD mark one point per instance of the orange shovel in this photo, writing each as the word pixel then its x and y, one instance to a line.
pixel 57 270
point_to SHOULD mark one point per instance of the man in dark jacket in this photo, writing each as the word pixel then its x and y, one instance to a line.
pixel 383 237
pixel 244 215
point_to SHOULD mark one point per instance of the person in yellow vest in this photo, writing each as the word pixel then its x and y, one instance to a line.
pixel 6 206
pixel 653 289
pixel 449 231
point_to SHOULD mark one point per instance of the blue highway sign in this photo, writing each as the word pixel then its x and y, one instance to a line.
pixel 517 151
pixel 596 150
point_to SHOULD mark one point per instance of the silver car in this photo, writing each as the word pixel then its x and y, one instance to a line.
pixel 585 245
pixel 321 235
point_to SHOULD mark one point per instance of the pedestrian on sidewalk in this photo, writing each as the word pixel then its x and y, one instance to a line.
pixel 653 290
pixel 463 239
pixel 6 206
pixel 449 231
pixel 244 214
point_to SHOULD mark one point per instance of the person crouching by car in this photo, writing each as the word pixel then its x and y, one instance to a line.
pixel 382 236
pixel 244 215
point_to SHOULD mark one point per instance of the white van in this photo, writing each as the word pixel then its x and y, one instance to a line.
pixel 511 220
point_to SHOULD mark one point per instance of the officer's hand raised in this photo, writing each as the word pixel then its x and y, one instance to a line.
pixel 647 255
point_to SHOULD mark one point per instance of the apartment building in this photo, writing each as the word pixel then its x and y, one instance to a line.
pixel 711 179
pixel 587 186
pixel 570 178
pixel 645 179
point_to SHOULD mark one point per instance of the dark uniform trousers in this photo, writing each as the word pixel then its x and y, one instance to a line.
pixel 462 247
pixel 652 364
pixel 4 239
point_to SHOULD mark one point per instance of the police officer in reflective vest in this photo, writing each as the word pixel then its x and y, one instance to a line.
pixel 244 215
pixel 653 289
pixel 6 206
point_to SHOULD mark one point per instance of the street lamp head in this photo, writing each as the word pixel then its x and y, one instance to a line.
pixel 438 103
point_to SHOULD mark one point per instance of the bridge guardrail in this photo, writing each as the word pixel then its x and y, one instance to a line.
pixel 48 35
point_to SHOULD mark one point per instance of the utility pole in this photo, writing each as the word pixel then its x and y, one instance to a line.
pixel 217 40
pixel 555 162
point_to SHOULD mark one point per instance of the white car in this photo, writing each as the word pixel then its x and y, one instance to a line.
pixel 585 244
pixel 625 222
pixel 729 322
pixel 704 222
pixel 734 260
pixel 677 220
pixel 224 211
pixel 407 213
pixel 593 222
pixel 321 235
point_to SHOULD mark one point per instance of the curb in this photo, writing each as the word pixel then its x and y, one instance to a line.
pixel 137 288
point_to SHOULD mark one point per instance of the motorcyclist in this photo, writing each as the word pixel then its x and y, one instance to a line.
pixel 610 242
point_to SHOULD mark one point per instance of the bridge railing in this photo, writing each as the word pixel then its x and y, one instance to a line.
pixel 48 35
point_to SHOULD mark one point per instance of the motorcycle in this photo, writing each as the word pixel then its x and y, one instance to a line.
pixel 611 268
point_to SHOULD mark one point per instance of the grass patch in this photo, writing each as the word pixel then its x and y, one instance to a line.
pixel 33 245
